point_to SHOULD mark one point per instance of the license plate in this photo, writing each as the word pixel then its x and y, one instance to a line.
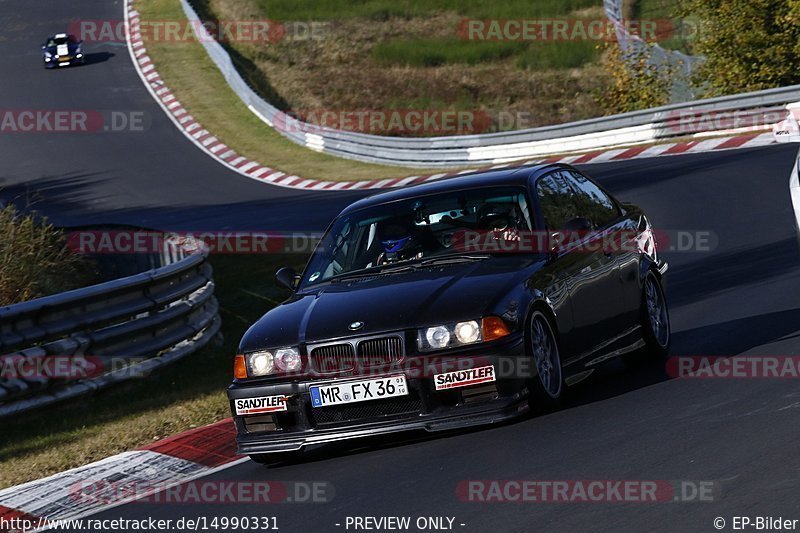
pixel 358 391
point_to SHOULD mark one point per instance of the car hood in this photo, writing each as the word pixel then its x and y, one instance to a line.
pixel 391 302
pixel 71 49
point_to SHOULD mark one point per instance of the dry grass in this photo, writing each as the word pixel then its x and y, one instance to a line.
pixel 35 260
pixel 54 448
pixel 380 64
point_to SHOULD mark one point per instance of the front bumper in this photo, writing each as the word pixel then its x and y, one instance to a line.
pixel 423 408
pixel 66 61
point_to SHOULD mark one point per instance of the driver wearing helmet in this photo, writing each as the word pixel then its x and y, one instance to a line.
pixel 399 243
pixel 499 220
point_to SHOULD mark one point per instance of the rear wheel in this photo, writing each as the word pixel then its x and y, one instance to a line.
pixel 547 388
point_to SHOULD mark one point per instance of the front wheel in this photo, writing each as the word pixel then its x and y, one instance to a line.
pixel 547 388
pixel 654 321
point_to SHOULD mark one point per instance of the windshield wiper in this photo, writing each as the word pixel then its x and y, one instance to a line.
pixel 407 266
pixel 370 272
pixel 451 259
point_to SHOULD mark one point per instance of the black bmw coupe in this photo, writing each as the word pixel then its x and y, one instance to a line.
pixel 455 303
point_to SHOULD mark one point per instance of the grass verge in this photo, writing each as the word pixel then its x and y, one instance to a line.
pixel 35 260
pixel 383 9
pixel 200 87
pixel 183 396
pixel 378 55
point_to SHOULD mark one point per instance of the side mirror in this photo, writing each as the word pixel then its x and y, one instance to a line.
pixel 560 238
pixel 286 278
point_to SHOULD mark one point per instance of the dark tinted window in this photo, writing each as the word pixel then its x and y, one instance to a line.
pixel 557 200
pixel 593 203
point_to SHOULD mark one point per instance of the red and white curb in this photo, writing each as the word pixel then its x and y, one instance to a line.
pixel 228 157
pixel 170 461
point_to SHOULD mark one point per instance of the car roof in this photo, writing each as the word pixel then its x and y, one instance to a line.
pixel 516 175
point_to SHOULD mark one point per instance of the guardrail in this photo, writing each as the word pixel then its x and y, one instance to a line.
pixel 683 64
pixel 76 342
pixel 636 127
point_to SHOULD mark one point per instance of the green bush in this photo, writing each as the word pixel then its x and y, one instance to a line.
pixel 749 45
pixel 435 52
pixel 635 82
pixel 35 260
pixel 558 55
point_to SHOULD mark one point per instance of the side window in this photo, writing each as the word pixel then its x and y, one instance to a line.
pixel 592 202
pixel 557 200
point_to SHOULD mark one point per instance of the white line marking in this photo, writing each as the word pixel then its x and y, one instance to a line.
pixel 207 472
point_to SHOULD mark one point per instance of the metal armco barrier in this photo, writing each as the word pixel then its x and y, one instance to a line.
pixel 76 342
pixel 646 126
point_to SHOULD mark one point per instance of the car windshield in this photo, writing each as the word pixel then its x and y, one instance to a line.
pixel 55 41
pixel 413 230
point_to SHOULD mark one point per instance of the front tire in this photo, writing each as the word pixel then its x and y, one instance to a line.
pixel 547 387
pixel 656 316
pixel 654 320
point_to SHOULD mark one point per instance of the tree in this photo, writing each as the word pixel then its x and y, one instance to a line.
pixel 749 45
pixel 636 81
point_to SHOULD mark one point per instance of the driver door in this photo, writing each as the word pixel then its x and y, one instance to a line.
pixel 590 272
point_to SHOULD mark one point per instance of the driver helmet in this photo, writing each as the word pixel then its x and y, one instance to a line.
pixel 395 238
pixel 496 217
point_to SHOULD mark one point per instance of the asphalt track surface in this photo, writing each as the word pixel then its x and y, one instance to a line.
pixel 740 297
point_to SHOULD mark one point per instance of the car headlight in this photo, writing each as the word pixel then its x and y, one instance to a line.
pixel 467 332
pixel 461 333
pixel 266 362
pixel 287 359
pixel 436 337
pixel 260 363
